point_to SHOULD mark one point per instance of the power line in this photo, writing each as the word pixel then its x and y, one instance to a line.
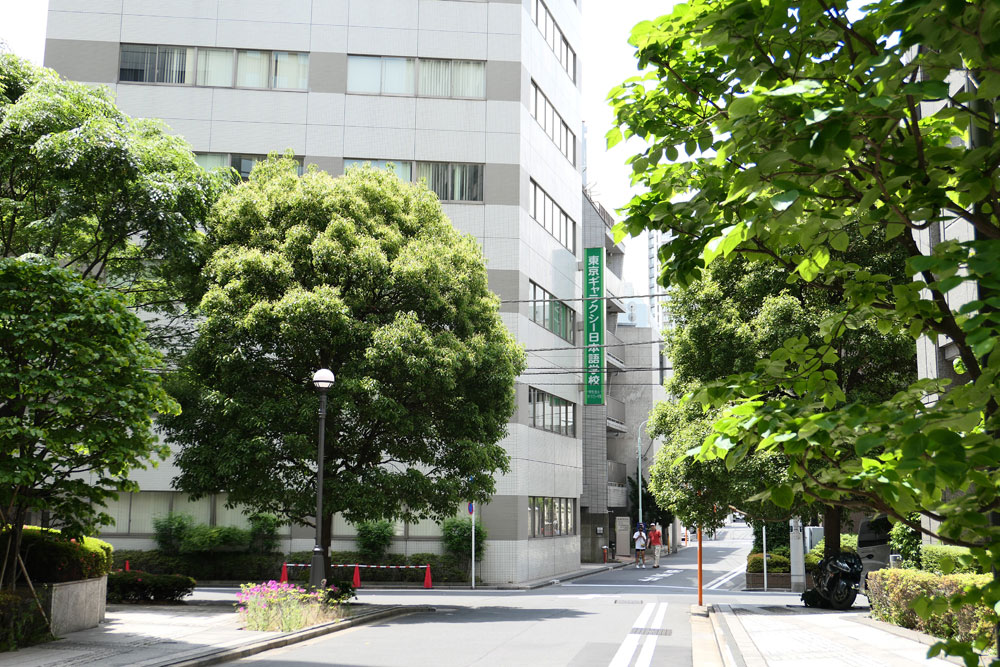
pixel 587 347
pixel 599 298
pixel 561 369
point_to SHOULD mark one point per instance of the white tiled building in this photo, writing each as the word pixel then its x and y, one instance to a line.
pixel 480 97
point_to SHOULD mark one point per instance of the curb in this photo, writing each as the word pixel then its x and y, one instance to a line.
pixel 567 577
pixel 215 657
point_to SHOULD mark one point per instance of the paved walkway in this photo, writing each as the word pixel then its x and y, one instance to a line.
pixel 796 636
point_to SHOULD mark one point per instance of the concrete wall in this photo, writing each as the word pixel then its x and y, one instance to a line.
pixel 76 605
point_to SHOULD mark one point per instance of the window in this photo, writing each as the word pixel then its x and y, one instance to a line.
pixel 280 70
pixel 554 37
pixel 241 163
pixel 449 181
pixel 548 214
pixel 552 123
pixel 552 517
pixel 384 75
pixel 156 64
pixel 551 413
pixel 551 313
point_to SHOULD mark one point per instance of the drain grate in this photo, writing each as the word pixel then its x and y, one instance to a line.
pixel 651 631
pixel 628 601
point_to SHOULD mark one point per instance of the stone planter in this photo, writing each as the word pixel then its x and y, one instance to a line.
pixel 75 605
pixel 775 581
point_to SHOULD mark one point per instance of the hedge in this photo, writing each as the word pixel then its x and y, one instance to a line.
pixel 50 558
pixel 137 586
pixel 215 566
pixel 21 624
pixel 892 591
pixel 931 556
pixel 848 542
pixel 444 568
pixel 775 563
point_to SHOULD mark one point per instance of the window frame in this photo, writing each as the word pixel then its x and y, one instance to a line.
pixel 551 516
pixel 556 415
pixel 551 215
pixel 416 77
pixel 554 37
pixel 449 171
pixel 192 72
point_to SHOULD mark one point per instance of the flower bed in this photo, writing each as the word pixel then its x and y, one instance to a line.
pixel 285 607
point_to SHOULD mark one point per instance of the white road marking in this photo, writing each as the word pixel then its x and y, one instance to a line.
pixel 662 575
pixel 624 655
pixel 646 654
pixel 647 611
pixel 726 578
pixel 658 620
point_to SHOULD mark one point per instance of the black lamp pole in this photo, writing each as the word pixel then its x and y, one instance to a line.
pixel 322 380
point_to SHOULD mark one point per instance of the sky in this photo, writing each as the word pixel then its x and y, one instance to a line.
pixel 606 58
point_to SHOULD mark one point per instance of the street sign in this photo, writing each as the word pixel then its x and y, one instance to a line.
pixel 593 329
pixel 472 508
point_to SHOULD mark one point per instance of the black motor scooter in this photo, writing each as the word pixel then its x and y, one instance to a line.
pixel 838 580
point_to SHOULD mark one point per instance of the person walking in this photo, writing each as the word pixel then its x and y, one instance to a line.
pixel 656 541
pixel 641 539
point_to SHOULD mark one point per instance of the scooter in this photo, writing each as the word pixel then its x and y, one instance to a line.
pixel 838 580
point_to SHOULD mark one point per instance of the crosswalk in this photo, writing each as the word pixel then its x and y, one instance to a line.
pixel 644 630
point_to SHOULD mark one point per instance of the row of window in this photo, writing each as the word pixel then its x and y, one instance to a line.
pixel 551 517
pixel 551 413
pixel 542 17
pixel 548 214
pixel 450 181
pixel 552 123
pixel 242 163
pixel 386 75
pixel 551 313
pixel 188 65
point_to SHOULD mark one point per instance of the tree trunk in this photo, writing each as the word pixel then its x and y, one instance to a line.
pixel 831 531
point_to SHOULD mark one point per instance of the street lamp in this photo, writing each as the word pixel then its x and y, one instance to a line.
pixel 322 380
pixel 638 457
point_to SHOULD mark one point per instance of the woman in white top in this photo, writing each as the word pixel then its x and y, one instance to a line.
pixel 641 540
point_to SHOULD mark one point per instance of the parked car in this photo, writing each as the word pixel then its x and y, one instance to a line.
pixel 873 545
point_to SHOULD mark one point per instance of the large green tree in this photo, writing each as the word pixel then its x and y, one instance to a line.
pixel 363 275
pixel 118 199
pixel 799 120
pixel 78 389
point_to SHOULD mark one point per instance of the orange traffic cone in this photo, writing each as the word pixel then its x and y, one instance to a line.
pixel 427 578
pixel 126 566
pixel 284 573
pixel 357 577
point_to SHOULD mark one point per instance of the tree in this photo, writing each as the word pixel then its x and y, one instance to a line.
pixel 116 198
pixel 797 121
pixel 78 389
pixel 651 510
pixel 363 275
pixel 726 322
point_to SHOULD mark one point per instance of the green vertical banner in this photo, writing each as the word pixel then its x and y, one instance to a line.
pixel 593 330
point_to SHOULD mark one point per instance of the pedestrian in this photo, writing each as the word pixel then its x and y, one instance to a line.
pixel 656 541
pixel 641 539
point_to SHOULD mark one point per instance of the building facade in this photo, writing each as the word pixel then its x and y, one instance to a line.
pixel 479 98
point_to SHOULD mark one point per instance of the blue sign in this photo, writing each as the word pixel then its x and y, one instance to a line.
pixel 472 508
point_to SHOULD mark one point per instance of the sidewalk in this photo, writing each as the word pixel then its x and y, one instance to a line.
pixel 797 636
pixel 181 636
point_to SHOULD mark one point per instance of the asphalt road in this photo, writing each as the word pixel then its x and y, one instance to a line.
pixel 620 618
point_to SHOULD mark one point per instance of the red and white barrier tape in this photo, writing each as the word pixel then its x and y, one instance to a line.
pixel 380 567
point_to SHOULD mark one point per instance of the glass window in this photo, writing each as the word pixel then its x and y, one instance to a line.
pixel 401 169
pixel 252 69
pixel 549 518
pixel 435 174
pixel 210 161
pixel 291 70
pixel 397 76
pixel 244 164
pixel 172 63
pixel 467 182
pixel 215 67
pixel 435 78
pixel 364 74
pixel 138 63
pixel 468 79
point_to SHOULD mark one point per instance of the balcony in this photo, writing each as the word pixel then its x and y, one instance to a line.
pixel 613 352
pixel 616 415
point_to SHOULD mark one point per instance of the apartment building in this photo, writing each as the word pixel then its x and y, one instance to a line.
pixel 479 98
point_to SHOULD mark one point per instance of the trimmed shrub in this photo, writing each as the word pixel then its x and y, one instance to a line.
pixel 848 542
pixel 932 555
pixel 217 566
pixel 775 563
pixel 905 541
pixel 777 536
pixel 782 551
pixel 21 624
pixel 202 538
pixel 51 558
pixel 170 531
pixel 138 586
pixel 457 537
pixel 444 568
pixel 264 533
pixel 373 540
pixel 892 593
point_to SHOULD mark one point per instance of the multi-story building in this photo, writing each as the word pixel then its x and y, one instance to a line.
pixel 479 98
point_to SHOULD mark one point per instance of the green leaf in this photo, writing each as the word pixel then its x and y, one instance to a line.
pixel 614 137
pixel 782 496
pixel 840 241
pixel 740 107
pixel 782 201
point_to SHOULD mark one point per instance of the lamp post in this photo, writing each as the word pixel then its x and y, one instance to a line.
pixel 322 381
pixel 638 458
